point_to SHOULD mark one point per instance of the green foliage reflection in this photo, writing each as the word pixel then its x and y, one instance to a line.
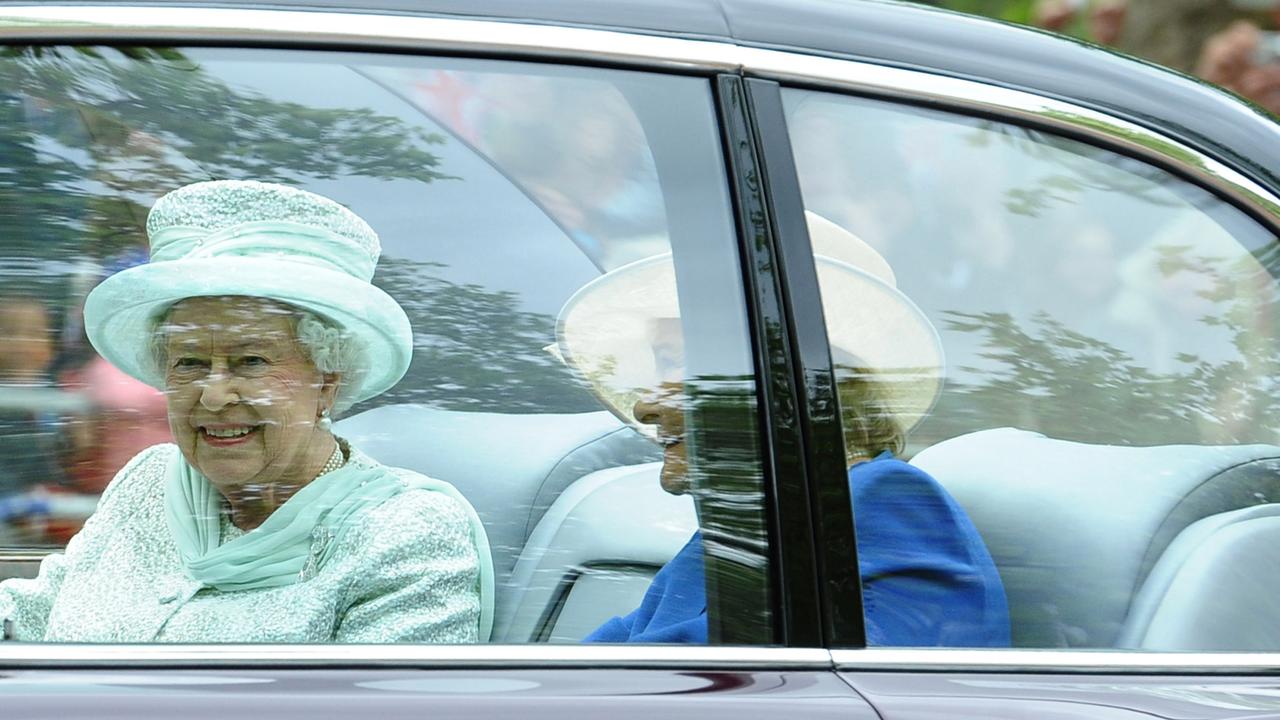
pixel 91 135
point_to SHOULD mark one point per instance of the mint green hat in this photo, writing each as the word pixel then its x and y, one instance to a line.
pixel 247 238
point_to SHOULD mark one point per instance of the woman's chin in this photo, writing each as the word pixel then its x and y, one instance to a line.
pixel 674 480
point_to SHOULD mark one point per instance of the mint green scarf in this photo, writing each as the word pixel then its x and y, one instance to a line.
pixel 278 552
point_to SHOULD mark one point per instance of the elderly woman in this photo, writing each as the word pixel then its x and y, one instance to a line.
pixel 257 318
pixel 927 578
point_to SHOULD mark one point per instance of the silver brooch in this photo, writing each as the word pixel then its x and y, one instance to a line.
pixel 320 539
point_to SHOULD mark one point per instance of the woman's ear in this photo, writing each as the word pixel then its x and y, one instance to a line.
pixel 329 390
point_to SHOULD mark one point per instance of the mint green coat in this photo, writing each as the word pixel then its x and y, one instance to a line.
pixel 408 571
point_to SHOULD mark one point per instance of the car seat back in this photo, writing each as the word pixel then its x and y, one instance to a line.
pixel 510 467
pixel 1075 529
pixel 593 555
pixel 1217 587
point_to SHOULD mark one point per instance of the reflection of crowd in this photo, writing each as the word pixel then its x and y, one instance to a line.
pixel 68 421
pixel 576 147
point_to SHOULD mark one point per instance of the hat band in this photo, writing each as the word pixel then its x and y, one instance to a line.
pixel 280 240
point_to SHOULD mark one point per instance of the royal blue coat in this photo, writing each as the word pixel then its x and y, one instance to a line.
pixel 927 578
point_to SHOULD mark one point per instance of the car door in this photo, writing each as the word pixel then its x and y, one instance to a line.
pixel 503 173
pixel 1105 299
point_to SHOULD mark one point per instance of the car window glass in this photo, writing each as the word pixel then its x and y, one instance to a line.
pixel 1107 417
pixel 499 191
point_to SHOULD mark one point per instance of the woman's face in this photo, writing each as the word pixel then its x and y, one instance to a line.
pixel 664 409
pixel 243 396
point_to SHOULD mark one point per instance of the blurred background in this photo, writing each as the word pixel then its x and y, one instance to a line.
pixel 1233 43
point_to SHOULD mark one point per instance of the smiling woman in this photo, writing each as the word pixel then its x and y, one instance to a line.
pixel 260 525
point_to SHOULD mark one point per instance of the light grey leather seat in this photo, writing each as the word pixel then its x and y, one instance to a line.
pixel 1075 529
pixel 593 555
pixel 1216 587
pixel 511 467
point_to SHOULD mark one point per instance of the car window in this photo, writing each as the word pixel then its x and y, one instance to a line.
pixel 501 192
pixel 1088 348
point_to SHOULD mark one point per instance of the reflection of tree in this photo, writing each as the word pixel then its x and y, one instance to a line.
pixel 1074 168
pixel 89 135
pixel 475 349
pixel 1049 378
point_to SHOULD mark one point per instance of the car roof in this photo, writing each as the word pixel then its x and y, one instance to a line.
pixel 896 34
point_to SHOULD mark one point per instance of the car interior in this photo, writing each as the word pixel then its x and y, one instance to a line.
pixel 1098 546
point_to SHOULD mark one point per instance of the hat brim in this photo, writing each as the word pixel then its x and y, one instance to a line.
pixel 120 314
pixel 604 331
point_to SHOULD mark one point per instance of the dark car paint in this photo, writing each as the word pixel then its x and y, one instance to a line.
pixel 822 576
pixel 899 696
pixel 392 694
pixel 883 32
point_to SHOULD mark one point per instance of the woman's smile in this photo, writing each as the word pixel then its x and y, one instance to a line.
pixel 228 435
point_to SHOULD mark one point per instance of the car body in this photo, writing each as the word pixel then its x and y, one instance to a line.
pixel 1096 165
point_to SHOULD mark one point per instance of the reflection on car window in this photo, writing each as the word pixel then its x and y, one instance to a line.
pixel 1109 408
pixel 497 190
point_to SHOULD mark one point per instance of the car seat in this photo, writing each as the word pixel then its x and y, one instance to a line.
pixel 593 555
pixel 1076 529
pixel 1216 587
pixel 510 467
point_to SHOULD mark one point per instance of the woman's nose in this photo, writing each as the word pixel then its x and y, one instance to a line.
pixel 218 390
pixel 657 405
pixel 647 409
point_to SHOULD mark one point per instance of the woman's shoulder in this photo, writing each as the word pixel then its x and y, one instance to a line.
pixel 888 493
pixel 426 512
pixel 886 472
pixel 432 503
pixel 142 474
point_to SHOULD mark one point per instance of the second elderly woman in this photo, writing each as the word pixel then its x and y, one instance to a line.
pixel 257 317
pixel 927 578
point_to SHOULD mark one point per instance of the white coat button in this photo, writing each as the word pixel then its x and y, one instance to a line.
pixel 169 597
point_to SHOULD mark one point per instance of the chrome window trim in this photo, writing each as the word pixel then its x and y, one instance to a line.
pixel 967 95
pixel 1108 662
pixel 151 23
pixel 25 554
pixel 25 655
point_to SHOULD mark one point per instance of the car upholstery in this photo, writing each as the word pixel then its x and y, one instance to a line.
pixel 511 467
pixel 1075 529
pixel 1216 572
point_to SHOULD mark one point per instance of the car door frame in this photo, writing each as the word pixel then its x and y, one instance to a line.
pixel 798 657
pixel 952 672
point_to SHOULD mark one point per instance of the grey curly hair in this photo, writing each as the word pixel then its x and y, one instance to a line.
pixel 324 343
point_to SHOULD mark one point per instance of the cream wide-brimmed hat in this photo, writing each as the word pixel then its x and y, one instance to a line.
pixel 246 238
pixel 615 329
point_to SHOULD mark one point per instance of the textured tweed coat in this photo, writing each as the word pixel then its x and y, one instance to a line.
pixel 408 571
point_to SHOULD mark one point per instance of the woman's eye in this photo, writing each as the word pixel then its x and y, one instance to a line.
pixel 253 361
pixel 188 363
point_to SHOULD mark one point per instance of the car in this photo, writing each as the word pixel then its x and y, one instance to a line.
pixel 1093 238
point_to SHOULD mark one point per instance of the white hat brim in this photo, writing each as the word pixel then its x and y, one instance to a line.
pixel 603 332
pixel 120 314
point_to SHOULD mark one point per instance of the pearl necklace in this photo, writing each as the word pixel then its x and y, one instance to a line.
pixel 335 461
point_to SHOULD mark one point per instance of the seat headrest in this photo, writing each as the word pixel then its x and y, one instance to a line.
pixel 1075 528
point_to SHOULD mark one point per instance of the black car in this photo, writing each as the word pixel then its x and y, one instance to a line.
pixel 1092 238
